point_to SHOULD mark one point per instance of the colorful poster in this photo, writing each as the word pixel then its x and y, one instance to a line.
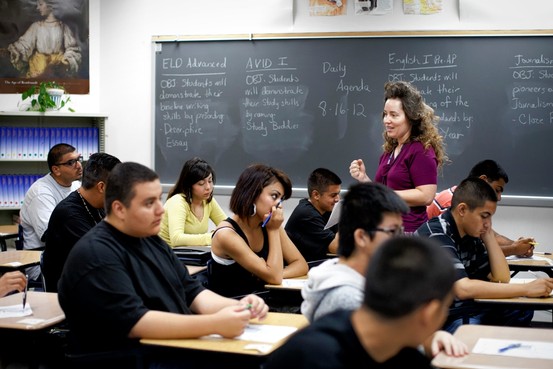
pixel 373 7
pixel 422 6
pixel 327 7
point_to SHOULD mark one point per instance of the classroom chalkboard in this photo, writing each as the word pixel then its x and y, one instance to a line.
pixel 299 103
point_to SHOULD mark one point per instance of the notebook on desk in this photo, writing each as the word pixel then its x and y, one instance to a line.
pixel 193 255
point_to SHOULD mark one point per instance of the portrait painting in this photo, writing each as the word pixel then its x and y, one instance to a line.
pixel 44 40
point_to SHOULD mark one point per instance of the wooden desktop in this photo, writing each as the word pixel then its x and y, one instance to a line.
pixel 522 264
pixel 233 346
pixel 18 259
pixel 7 232
pixel 45 306
pixel 470 334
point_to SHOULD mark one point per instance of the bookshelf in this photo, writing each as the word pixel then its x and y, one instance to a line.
pixel 26 137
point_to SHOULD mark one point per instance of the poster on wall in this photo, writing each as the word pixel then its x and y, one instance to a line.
pixel 44 40
pixel 422 6
pixel 373 7
pixel 327 7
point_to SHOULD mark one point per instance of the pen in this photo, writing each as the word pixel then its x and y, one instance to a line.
pixel 25 291
pixel 509 347
pixel 269 217
pixel 542 253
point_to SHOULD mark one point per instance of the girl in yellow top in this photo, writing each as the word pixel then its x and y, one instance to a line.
pixel 190 205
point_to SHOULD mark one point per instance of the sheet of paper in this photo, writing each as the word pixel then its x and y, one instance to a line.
pixel 335 215
pixel 524 281
pixel 13 311
pixel 266 333
pixel 527 349
pixel 30 321
pixel 13 264
pixel 294 282
pixel 533 257
pixel 263 333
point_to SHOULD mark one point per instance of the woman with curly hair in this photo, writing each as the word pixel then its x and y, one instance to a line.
pixel 413 151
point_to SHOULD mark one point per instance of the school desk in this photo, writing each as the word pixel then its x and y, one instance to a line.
pixel 288 293
pixel 291 284
pixel 470 334
pixel 45 306
pixel 32 339
pixel 521 303
pixel 195 269
pixel 235 346
pixel 524 264
pixel 18 259
pixel 7 232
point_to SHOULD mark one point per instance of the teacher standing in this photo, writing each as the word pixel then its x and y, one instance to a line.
pixel 413 151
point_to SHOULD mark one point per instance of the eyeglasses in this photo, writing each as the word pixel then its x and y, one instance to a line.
pixel 72 162
pixel 397 231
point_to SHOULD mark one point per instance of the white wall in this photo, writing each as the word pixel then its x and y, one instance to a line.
pixel 121 60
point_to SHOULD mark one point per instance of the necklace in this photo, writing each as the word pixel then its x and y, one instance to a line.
pixel 88 210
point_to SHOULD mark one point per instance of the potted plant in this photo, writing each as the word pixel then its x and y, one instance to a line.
pixel 46 96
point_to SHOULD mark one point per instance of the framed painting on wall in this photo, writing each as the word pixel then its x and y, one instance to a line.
pixel 44 40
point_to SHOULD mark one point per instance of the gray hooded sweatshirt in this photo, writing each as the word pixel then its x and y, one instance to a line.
pixel 331 286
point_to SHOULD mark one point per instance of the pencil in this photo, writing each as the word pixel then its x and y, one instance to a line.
pixel 270 214
pixel 25 292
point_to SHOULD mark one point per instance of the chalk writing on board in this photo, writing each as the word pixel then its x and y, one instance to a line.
pixel 531 94
pixel 192 107
pixel 272 110
pixel 298 104
pixel 437 77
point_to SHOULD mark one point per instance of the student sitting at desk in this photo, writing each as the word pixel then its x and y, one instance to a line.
pixel 497 177
pixel 190 205
pixel 251 248
pixel 12 281
pixel 339 283
pixel 405 301
pixel 306 225
pixel 65 165
pixel 74 216
pixel 465 231
pixel 121 282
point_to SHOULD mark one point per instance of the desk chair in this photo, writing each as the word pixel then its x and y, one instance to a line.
pixel 19 241
pixel 41 268
pixel 314 263
pixel 120 359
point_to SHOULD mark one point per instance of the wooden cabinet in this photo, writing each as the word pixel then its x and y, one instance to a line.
pixel 26 137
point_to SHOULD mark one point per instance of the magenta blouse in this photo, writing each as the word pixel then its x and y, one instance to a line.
pixel 414 166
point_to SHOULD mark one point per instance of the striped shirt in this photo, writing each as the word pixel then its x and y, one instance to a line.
pixel 468 254
pixel 441 202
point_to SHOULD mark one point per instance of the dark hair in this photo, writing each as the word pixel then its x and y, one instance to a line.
pixel 474 192
pixel 420 115
pixel 320 179
pixel 97 169
pixel 364 206
pixel 121 182
pixel 193 170
pixel 251 183
pixel 405 273
pixel 490 169
pixel 56 152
